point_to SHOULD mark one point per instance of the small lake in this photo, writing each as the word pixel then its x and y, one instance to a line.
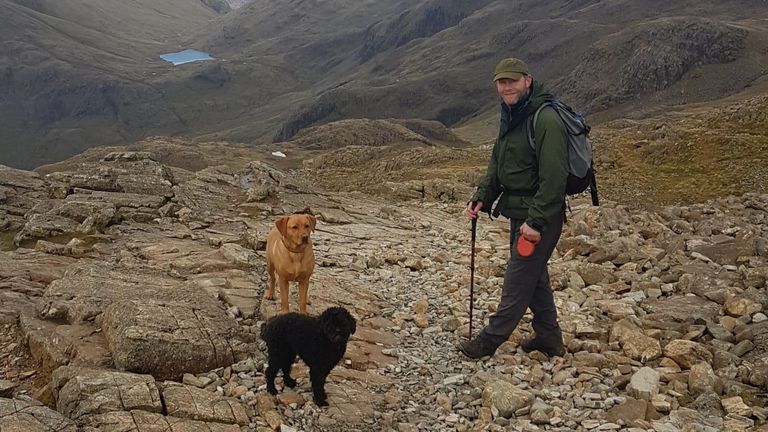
pixel 186 56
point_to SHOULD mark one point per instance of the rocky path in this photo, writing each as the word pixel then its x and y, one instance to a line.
pixel 139 289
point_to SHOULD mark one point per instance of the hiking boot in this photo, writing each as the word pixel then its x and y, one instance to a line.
pixel 552 349
pixel 476 348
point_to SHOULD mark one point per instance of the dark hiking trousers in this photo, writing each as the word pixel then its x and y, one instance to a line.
pixel 526 285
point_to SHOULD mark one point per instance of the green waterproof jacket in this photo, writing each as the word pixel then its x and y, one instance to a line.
pixel 530 185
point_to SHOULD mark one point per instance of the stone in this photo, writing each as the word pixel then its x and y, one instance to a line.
pixel 736 405
pixel 506 398
pixel 708 403
pixel 594 274
pixel 701 378
pixel 631 410
pixel 687 419
pixel 727 252
pixel 291 398
pixel 683 308
pixel 644 384
pixel 197 404
pixel 80 392
pixel 145 421
pixel 687 353
pixel 740 306
pixel 741 348
pixel 18 415
pixel 540 416
pixel 635 344
pixel 169 339
pixel 334 216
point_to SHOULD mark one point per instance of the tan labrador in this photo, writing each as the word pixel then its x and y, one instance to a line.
pixel 290 255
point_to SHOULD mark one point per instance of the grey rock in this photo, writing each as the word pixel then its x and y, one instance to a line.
pixel 168 340
pixel 506 398
pixel 80 392
pixel 687 353
pixel 18 415
pixel 644 384
pixel 141 420
pixel 198 404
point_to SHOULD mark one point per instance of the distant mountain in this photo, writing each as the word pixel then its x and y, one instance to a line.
pixel 69 81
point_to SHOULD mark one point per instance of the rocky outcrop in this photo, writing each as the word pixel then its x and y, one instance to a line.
pixel 662 312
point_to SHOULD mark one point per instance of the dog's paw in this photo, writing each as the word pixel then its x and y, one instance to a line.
pixel 290 382
pixel 269 296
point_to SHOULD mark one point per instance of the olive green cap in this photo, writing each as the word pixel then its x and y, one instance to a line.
pixel 510 68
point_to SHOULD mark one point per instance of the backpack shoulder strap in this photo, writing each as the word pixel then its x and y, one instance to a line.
pixel 532 123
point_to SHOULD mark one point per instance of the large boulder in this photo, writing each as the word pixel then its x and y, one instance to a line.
pixel 167 339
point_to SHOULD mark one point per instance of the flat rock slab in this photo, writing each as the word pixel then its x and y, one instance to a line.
pixel 193 403
pixel 142 421
pixel 170 339
pixel 683 308
pixel 85 291
pixel 21 416
pixel 729 251
pixel 79 392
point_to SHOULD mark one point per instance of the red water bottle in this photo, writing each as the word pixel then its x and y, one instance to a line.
pixel 525 248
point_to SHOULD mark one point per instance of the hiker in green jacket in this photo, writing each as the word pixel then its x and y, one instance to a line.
pixel 530 188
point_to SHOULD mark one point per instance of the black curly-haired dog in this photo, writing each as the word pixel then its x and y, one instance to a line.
pixel 320 341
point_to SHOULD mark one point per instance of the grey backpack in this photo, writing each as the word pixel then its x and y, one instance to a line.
pixel 581 172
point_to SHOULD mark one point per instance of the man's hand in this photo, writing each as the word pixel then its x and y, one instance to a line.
pixel 472 212
pixel 529 233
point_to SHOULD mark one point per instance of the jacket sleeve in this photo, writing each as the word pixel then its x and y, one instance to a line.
pixel 488 188
pixel 552 157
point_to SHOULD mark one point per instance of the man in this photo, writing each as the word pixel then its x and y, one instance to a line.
pixel 530 186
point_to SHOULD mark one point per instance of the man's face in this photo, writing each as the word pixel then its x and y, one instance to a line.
pixel 511 91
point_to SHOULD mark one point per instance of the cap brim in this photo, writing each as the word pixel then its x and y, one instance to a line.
pixel 508 75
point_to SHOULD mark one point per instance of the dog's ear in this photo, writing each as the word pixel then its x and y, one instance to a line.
pixel 312 222
pixel 282 225
pixel 353 324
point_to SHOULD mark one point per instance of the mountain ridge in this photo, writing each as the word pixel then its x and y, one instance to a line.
pixel 283 67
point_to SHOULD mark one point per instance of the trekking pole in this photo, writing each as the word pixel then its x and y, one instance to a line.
pixel 472 276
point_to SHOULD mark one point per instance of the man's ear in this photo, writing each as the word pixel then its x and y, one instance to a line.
pixel 528 80
pixel 282 225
